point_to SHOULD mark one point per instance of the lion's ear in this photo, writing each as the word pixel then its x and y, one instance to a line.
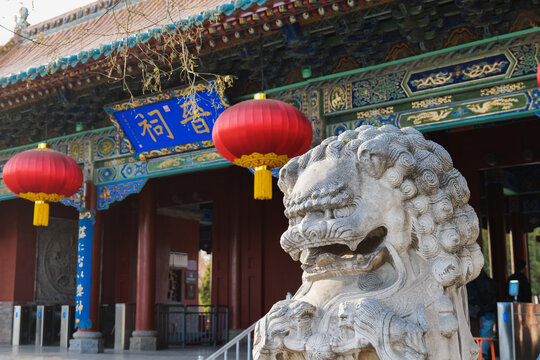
pixel 284 182
pixel 288 176
pixel 374 164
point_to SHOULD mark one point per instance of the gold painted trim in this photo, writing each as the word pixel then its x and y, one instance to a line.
pixel 255 160
pixel 41 196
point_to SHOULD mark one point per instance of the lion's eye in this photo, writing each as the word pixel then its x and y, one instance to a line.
pixel 343 212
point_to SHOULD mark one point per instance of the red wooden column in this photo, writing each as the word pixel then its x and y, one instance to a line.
pixel 145 337
pixel 497 229
pixel 235 238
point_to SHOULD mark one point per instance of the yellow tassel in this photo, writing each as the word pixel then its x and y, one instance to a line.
pixel 41 213
pixel 263 183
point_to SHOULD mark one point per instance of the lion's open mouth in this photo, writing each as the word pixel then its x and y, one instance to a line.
pixel 368 255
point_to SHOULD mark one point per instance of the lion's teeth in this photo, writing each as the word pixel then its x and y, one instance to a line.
pixel 304 255
pixel 352 246
pixel 360 259
pixel 324 259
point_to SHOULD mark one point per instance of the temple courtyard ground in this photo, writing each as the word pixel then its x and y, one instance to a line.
pixel 31 352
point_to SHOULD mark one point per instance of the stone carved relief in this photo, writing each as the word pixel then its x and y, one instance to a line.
pixel 379 220
pixel 57 262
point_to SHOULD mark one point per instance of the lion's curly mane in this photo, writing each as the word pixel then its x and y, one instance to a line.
pixel 435 195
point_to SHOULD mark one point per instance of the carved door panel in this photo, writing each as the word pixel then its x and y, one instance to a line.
pixel 57 262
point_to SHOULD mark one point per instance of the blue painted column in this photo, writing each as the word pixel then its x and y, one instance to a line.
pixel 84 270
pixel 87 338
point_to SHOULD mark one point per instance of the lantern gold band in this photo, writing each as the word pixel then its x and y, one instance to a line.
pixel 41 196
pixel 255 159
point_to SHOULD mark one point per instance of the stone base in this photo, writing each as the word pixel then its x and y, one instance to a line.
pixel 86 343
pixel 143 341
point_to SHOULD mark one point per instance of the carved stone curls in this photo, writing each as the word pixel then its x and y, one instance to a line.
pixel 379 220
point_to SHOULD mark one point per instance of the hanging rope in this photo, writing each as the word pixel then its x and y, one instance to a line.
pixel 45 128
pixel 261 64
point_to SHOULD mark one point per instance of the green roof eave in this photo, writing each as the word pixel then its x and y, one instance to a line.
pixel 312 81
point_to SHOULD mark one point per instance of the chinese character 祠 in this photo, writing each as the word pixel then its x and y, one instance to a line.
pixel 154 127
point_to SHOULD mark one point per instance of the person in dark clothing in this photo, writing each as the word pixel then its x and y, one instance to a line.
pixel 524 289
pixel 482 299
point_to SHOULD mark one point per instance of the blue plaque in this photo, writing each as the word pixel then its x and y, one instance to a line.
pixel 84 270
pixel 173 121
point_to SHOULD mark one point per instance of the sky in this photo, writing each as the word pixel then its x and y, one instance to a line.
pixel 38 10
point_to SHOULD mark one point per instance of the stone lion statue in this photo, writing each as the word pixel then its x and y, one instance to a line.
pixel 379 220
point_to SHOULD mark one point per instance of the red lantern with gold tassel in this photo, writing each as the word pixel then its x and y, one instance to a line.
pixel 42 175
pixel 262 134
pixel 538 73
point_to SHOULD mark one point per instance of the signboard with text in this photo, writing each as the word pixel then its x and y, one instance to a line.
pixel 84 270
pixel 173 121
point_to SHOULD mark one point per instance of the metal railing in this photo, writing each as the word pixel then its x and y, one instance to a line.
pixel 192 324
pixel 236 343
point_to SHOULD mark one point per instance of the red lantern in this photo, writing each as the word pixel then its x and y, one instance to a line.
pixel 538 75
pixel 262 134
pixel 42 175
